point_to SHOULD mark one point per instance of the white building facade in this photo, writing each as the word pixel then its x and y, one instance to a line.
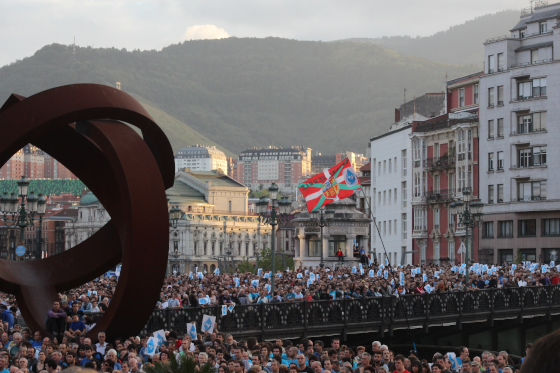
pixel 391 193
pixel 201 158
pixel 520 134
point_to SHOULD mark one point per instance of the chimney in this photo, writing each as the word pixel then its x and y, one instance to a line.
pixel 397 115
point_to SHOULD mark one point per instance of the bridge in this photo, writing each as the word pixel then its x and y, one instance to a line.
pixel 455 311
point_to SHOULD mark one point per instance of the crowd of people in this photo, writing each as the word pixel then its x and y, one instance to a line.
pixel 24 351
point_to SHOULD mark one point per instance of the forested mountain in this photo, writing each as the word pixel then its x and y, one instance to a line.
pixel 461 44
pixel 250 92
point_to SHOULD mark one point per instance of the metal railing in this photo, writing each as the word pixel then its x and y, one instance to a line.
pixel 442 195
pixel 528 199
pixel 295 319
pixel 439 162
pixel 513 132
pixel 531 63
pixel 497 38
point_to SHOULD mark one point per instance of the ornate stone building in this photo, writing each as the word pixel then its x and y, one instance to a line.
pixel 215 223
pixel 349 227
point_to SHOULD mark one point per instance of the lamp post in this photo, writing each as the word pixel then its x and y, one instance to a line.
pixel 257 254
pixel 22 216
pixel 273 219
pixel 469 214
pixel 322 221
pixel 174 216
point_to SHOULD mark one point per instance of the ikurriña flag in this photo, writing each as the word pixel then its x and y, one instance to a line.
pixel 336 183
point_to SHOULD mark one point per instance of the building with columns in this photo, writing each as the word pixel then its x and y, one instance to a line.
pixel 349 227
pixel 215 223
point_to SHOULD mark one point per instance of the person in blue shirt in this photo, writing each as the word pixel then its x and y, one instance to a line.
pixel 88 358
pixel 7 316
pixel 77 328
pixel 3 365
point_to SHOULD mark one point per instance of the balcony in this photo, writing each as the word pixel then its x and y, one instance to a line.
pixel 530 63
pixel 528 199
pixel 439 196
pixel 525 131
pixel 439 163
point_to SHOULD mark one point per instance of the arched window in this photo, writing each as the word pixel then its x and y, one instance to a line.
pixel 205 267
pixel 212 268
pixel 176 269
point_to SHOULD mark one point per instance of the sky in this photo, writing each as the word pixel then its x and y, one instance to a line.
pixel 28 25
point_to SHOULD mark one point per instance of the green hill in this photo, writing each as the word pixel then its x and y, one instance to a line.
pixel 461 44
pixel 248 92
pixel 178 133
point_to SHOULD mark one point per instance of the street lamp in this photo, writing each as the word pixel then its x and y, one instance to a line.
pixel 174 215
pixel 273 218
pixel 22 216
pixel 322 221
pixel 469 214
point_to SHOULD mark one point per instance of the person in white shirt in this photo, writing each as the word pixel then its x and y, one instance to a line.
pixel 298 292
pixel 100 347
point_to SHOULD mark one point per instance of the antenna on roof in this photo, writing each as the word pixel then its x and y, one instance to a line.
pixel 414 117
pixel 74 46
pixel 404 102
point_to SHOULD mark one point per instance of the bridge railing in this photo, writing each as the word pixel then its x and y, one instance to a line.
pixel 348 315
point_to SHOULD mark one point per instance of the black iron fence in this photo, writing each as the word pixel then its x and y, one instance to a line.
pixel 296 319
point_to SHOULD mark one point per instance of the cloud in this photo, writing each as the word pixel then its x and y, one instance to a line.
pixel 199 32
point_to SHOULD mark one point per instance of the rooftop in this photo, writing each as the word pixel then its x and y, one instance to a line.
pixel 216 178
pixel 181 193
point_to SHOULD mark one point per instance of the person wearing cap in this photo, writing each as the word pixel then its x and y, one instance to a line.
pixel 475 366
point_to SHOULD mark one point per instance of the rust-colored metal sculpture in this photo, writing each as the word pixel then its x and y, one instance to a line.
pixel 83 126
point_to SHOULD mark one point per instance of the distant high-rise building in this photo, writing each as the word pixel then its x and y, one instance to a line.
pixel 284 166
pixel 201 158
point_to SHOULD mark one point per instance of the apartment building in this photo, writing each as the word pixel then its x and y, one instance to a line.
pixel 445 163
pixel 260 167
pixel 519 122
pixel 201 158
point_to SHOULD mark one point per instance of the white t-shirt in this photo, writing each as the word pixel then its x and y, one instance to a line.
pixel 101 349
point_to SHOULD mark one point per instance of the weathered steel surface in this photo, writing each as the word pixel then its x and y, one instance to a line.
pixel 83 126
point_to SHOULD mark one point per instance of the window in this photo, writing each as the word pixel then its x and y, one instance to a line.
pixel 419 219
pixel 531 191
pixel 525 123
pixel 416 149
pixel 395 226
pixel 506 255
pixel 436 150
pixel 403 229
pixel 534 56
pixel 461 179
pixel 500 62
pixel 475 94
pixel 395 164
pixel 488 229
pixel 314 248
pixel 490 194
pixel 527 228
pixel 500 161
pixel 436 185
pixel 384 167
pixel 551 227
pixel 384 227
pixel 491 66
pixel 461 97
pixel 379 168
pixel 543 28
pixel 500 127
pixel 491 97
pixel 523 33
pixel 451 251
pixel 524 90
pixel 535 156
pixel 500 95
pixel 390 165
pixel 524 158
pixel 403 191
pixel 436 250
pixel 500 195
pixel 436 218
pixel 539 155
pixel 390 191
pixel 395 195
pixel 403 156
pixel 490 161
pixel 335 243
pixel 491 129
pixel 539 87
pixel 384 197
pixel 505 228
pixel 417 187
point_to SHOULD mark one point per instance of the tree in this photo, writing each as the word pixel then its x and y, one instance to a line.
pixel 518 257
pixel 265 260
pixel 245 266
pixel 178 364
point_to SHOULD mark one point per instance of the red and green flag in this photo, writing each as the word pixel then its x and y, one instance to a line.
pixel 333 184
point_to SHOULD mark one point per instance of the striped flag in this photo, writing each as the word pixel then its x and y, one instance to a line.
pixel 336 183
